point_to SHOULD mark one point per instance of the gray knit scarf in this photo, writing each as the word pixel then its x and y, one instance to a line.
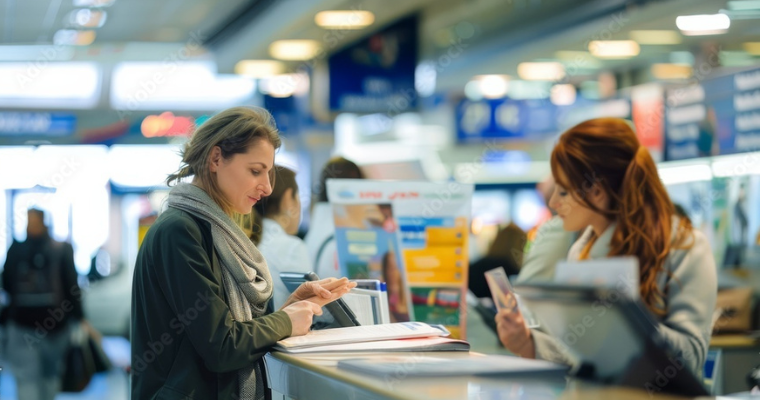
pixel 245 273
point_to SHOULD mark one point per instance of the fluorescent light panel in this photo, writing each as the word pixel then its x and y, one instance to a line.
pixel 294 50
pixel 177 86
pixel 344 19
pixel 614 48
pixel 706 24
pixel 259 68
pixel 55 85
pixel 656 37
pixel 541 71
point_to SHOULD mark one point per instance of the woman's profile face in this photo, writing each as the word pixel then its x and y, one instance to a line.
pixel 575 215
pixel 244 178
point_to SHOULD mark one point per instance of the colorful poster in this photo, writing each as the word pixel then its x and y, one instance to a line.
pixel 412 235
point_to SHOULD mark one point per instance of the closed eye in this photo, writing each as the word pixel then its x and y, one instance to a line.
pixel 255 172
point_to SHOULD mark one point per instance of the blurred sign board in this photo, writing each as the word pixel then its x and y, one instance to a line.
pixel 377 73
pixel 504 119
pixel 37 124
pixel 720 115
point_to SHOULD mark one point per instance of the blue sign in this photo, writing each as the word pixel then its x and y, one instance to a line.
pixel 37 124
pixel 377 74
pixel 501 119
pixel 718 116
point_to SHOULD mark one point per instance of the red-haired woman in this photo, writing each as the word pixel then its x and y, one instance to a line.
pixel 608 188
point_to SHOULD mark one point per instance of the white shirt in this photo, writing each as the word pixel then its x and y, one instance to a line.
pixel 321 228
pixel 283 253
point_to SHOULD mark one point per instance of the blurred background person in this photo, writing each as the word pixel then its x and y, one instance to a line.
pixel 280 215
pixel 506 251
pixel 41 280
pixel 320 239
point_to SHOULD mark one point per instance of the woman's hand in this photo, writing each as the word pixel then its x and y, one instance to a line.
pixel 513 332
pixel 301 314
pixel 321 292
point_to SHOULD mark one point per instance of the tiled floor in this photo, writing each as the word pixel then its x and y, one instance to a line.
pixel 111 385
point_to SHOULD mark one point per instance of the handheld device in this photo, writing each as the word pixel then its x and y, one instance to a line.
pixel 335 314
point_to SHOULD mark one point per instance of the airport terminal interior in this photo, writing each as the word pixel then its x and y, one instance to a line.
pixel 473 126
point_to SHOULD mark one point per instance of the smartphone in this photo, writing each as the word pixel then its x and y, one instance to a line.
pixel 504 295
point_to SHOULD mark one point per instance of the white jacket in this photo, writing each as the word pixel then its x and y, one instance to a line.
pixel 321 229
pixel 690 298
pixel 283 253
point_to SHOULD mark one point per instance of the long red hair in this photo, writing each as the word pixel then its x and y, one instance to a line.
pixel 606 153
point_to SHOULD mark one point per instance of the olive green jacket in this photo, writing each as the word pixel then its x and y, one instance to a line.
pixel 185 343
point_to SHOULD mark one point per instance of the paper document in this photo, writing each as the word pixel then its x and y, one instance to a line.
pixel 620 273
pixel 357 334
pixel 414 365
pixel 362 306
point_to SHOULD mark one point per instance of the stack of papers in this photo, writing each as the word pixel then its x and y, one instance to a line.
pixel 440 366
pixel 402 336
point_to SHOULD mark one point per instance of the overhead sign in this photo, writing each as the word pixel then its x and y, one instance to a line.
pixel 503 119
pixel 377 74
pixel 717 116
pixel 37 123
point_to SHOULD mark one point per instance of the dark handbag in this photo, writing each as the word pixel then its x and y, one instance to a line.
pixel 79 365
pixel 99 357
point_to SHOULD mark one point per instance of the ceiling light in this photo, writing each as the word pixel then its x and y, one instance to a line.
pixel 87 18
pixel 614 48
pixel 563 95
pixel 671 71
pixel 259 68
pixel 285 85
pixel 344 19
pixel 541 71
pixel 752 48
pixel 297 50
pixel 712 24
pixel 492 86
pixel 656 37
pixel 72 37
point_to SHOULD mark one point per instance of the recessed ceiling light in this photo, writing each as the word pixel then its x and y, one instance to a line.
pixel 259 68
pixel 541 71
pixel 711 24
pixel 614 48
pixel 87 18
pixel 655 37
pixel 344 19
pixel 493 86
pixel 296 50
